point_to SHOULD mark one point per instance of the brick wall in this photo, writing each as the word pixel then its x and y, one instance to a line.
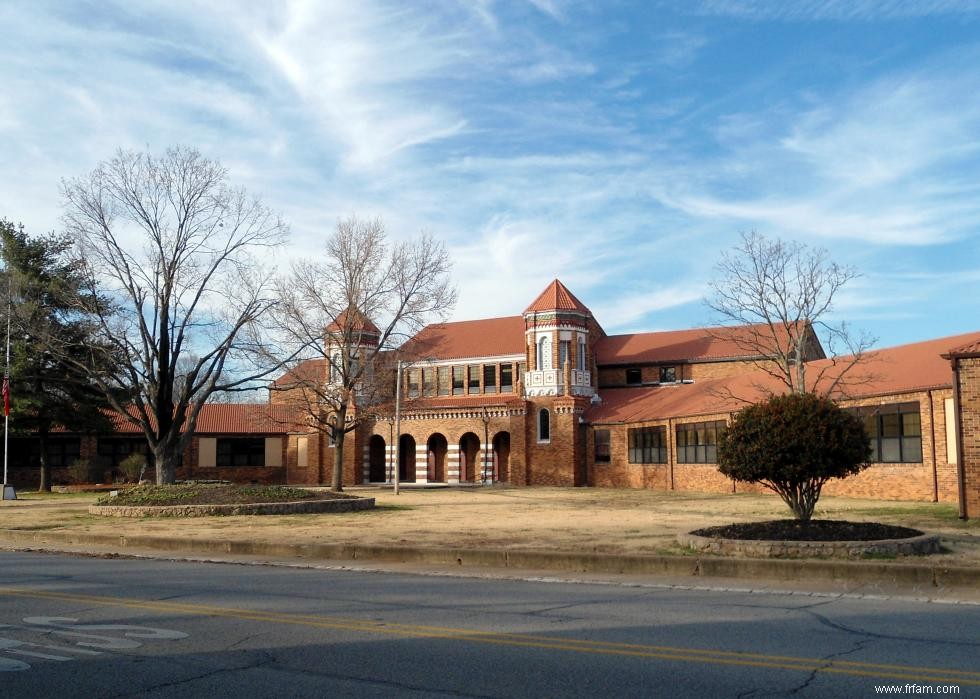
pixel 558 461
pixel 265 475
pixel 933 477
pixel 969 415
pixel 912 481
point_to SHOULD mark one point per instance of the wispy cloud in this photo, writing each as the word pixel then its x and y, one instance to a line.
pixel 847 10
pixel 619 148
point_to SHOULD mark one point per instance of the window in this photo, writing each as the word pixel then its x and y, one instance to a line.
pixel 413 383
pixel 544 425
pixel 648 445
pixel 474 383
pixel 429 382
pixel 240 451
pixel 895 432
pixel 697 442
pixel 602 446
pixel 114 450
pixel 580 359
pixel 444 386
pixel 335 368
pixel 459 380
pixel 634 377
pixel 24 451
pixel 564 349
pixel 544 353
pixel 489 378
pixel 506 378
pixel 62 452
pixel 668 374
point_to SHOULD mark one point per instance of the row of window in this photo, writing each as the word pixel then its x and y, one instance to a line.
pixel 544 359
pixel 61 452
pixel 459 380
pixel 697 443
pixel 894 431
pixel 667 374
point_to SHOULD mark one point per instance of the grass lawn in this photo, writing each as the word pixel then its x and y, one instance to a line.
pixel 571 519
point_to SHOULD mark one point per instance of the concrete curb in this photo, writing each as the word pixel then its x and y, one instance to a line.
pixel 937 576
pixel 757 548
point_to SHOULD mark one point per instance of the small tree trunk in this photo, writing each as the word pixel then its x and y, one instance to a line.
pixel 337 483
pixel 42 439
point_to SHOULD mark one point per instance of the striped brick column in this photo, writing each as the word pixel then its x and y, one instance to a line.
pixel 421 464
pixel 452 464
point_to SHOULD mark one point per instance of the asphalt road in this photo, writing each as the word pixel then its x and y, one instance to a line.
pixel 88 627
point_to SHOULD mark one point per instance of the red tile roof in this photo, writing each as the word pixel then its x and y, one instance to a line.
pixel 557 297
pixel 676 345
pixel 360 324
pixel 970 349
pixel 304 372
pixel 469 338
pixel 235 418
pixel 903 369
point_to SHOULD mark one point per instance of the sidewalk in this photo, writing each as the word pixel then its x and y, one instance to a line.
pixel 569 531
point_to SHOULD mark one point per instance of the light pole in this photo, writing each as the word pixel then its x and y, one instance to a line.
pixel 390 450
pixel 398 417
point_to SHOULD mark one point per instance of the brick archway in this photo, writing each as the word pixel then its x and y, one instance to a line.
pixel 437 447
pixel 501 457
pixel 406 458
pixel 377 459
pixel 469 457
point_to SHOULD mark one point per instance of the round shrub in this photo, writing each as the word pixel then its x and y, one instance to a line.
pixel 793 444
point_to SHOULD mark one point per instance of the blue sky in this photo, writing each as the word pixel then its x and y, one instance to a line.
pixel 618 146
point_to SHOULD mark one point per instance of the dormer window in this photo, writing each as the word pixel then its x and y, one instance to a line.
pixel 634 377
pixel 668 374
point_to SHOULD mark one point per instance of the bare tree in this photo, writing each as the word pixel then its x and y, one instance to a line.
pixel 350 312
pixel 169 243
pixel 782 294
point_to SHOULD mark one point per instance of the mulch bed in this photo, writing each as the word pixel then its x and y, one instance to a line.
pixel 207 494
pixel 814 530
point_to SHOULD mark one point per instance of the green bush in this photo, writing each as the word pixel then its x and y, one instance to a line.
pixel 80 471
pixel 793 444
pixel 133 467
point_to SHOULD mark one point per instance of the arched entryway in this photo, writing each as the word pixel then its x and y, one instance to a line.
pixel 406 459
pixel 436 454
pixel 377 459
pixel 469 457
pixel 501 457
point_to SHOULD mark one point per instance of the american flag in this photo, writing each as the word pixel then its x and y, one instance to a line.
pixel 6 393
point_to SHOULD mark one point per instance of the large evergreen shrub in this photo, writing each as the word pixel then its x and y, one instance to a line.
pixel 793 444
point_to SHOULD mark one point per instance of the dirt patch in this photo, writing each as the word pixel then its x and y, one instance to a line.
pixel 815 530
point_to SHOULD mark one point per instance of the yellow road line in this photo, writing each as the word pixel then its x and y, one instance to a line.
pixel 692 655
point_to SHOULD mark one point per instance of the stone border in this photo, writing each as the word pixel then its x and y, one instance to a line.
pixel 298 507
pixel 748 548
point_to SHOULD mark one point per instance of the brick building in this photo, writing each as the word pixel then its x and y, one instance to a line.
pixel 548 398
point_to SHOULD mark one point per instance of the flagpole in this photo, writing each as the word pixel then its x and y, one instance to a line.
pixel 6 396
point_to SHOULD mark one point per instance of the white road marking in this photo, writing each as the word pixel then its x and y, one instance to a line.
pixel 70 629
